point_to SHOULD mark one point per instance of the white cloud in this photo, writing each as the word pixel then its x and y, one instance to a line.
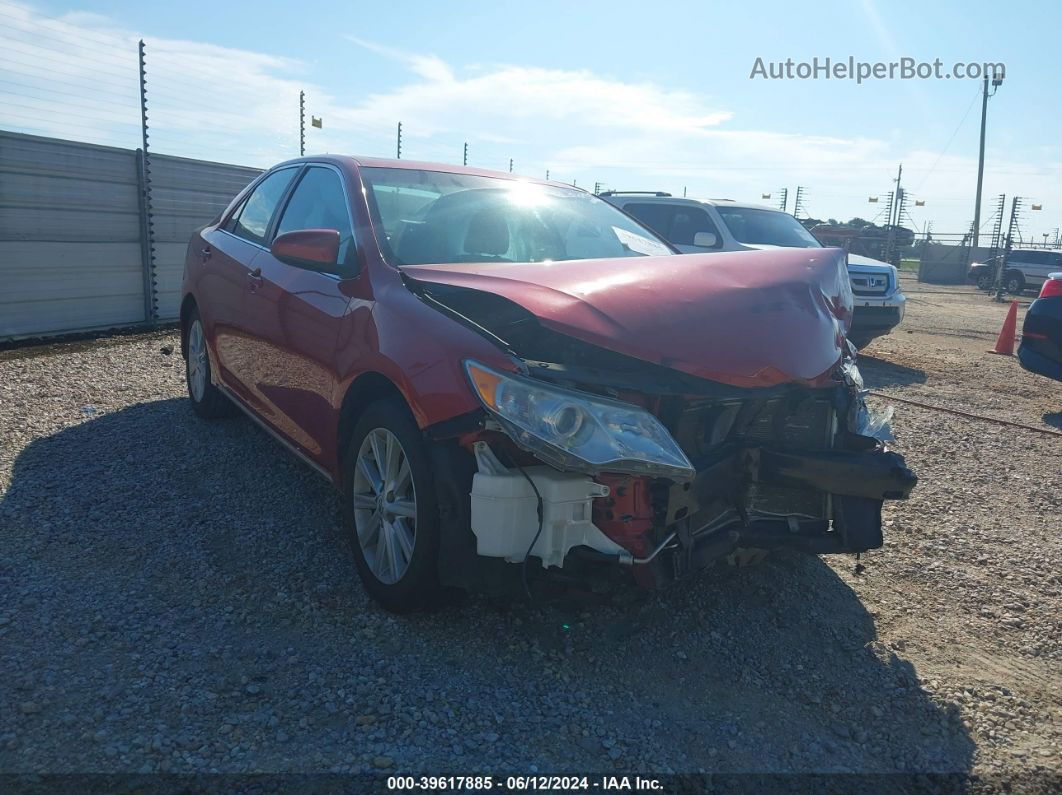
pixel 74 76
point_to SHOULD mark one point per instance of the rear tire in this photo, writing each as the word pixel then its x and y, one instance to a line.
pixel 208 401
pixel 389 509
pixel 1014 283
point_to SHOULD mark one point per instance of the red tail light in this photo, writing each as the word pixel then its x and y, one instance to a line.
pixel 1053 285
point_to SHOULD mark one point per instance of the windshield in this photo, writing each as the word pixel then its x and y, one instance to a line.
pixel 437 217
pixel 766 228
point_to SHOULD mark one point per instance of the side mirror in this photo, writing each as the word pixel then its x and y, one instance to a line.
pixel 705 240
pixel 308 248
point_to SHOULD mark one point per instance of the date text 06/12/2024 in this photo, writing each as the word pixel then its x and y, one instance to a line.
pixel 524 783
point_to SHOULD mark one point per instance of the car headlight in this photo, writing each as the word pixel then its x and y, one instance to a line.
pixel 578 431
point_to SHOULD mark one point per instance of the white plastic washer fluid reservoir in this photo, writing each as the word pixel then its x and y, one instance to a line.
pixel 505 511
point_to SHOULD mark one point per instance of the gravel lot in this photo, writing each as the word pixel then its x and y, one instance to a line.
pixel 175 596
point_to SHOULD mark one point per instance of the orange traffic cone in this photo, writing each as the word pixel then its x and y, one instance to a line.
pixel 1005 341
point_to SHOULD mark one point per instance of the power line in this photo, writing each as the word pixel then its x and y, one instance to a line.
pixel 955 132
pixel 32 70
pixel 92 105
pixel 80 94
pixel 166 62
pixel 117 70
pixel 45 112
pixel 79 34
pixel 52 131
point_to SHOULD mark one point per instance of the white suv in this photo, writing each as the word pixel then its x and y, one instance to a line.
pixel 706 225
pixel 1029 268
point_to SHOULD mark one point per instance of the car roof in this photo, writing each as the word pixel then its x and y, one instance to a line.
pixel 654 198
pixel 419 165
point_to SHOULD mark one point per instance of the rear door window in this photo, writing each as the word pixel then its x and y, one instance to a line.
pixel 230 225
pixel 677 223
pixel 657 216
pixel 319 202
pixel 252 222
pixel 687 222
pixel 1029 257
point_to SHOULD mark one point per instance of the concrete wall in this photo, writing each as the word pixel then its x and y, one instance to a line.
pixel 69 237
pixel 947 264
pixel 71 254
pixel 185 195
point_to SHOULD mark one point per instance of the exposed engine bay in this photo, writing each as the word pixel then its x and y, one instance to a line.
pixel 791 465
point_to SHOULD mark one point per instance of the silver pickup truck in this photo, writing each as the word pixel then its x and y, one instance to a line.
pixel 704 225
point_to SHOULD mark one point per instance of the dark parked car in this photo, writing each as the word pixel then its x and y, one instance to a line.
pixel 983 274
pixel 1040 350
pixel 496 371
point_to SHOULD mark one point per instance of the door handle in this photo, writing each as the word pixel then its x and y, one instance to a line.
pixel 205 253
pixel 256 277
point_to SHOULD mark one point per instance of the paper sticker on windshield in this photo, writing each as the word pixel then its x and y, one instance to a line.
pixel 642 245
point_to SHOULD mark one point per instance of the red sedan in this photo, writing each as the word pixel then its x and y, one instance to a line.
pixel 505 378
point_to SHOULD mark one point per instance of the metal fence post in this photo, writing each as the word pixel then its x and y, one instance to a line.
pixel 144 217
pixel 147 241
pixel 302 124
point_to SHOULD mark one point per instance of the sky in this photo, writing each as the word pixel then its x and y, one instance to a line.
pixel 634 96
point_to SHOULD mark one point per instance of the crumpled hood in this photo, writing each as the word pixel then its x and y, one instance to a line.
pixel 747 318
pixel 866 264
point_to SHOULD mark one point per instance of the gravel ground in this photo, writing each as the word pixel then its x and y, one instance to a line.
pixel 176 597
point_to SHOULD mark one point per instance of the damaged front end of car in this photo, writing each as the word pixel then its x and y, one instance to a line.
pixel 585 456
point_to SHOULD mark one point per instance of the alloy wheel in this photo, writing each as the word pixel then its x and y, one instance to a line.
pixel 198 366
pixel 385 505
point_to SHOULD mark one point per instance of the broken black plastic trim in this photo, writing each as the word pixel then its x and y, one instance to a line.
pixel 456 426
pixel 872 474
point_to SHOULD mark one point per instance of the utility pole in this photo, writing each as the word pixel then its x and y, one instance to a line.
pixel 683 191
pixel 547 174
pixel 464 160
pixel 302 123
pixel 399 155
pixel 784 200
pixel 997 81
pixel 597 190
pixel 798 203
pixel 510 165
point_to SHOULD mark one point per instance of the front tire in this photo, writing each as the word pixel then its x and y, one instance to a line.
pixel 1015 283
pixel 984 282
pixel 207 400
pixel 390 512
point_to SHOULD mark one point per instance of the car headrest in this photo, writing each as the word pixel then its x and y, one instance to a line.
pixel 488 233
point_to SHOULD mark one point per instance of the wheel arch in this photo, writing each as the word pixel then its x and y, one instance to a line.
pixel 188 304
pixel 367 388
